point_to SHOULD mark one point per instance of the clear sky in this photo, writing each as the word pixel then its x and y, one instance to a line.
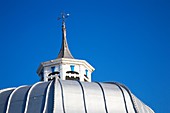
pixel 126 41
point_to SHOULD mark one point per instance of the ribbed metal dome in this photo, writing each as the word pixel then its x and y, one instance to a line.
pixel 67 96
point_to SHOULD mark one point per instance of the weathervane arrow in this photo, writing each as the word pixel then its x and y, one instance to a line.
pixel 63 17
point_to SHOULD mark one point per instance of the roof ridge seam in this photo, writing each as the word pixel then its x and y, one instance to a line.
pixel 28 95
pixel 10 97
pixel 46 98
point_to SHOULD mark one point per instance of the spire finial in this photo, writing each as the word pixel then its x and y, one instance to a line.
pixel 64 51
pixel 63 17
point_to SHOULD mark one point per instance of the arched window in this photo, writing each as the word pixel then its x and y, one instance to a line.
pixel 72 78
pixel 52 75
pixel 72 72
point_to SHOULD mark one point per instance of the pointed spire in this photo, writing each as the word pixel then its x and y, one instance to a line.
pixel 64 51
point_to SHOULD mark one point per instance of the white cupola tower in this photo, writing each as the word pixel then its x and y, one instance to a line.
pixel 65 67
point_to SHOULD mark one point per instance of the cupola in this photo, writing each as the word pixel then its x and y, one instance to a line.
pixel 65 66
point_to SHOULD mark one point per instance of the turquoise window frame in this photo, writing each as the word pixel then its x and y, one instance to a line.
pixel 72 67
pixel 86 72
pixel 53 69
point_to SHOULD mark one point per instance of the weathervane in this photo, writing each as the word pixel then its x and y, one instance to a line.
pixel 63 17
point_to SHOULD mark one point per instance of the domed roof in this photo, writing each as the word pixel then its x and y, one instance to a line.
pixel 67 96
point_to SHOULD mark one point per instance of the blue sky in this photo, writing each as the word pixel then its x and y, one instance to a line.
pixel 126 41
